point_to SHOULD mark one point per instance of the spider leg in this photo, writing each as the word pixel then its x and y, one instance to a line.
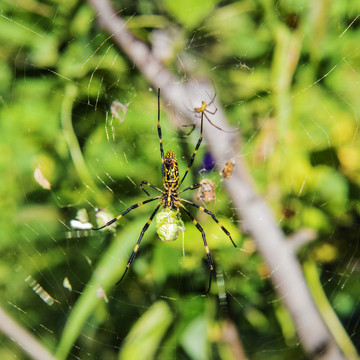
pixel 188 125
pixel 148 184
pixel 218 127
pixel 206 211
pixel 191 187
pixel 132 207
pixel 198 226
pixel 160 138
pixel 136 248
pixel 211 112
pixel 196 149
pixel 212 100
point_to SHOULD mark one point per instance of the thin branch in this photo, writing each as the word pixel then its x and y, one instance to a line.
pixel 257 219
pixel 231 337
pixel 300 238
pixel 23 338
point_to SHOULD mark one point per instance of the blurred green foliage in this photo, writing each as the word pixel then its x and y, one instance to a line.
pixel 287 74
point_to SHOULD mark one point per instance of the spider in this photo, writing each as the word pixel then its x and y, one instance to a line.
pixel 171 202
pixel 227 170
pixel 203 111
pixel 206 192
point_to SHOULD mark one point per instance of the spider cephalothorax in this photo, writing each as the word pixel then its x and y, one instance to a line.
pixel 171 178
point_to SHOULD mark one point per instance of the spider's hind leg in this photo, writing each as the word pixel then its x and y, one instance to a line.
pixel 206 211
pixel 210 261
pixel 136 248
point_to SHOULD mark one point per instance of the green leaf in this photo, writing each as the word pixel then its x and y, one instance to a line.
pixel 331 189
pixel 189 12
pixel 146 334
pixel 194 339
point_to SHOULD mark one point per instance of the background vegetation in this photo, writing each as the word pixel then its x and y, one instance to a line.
pixel 287 74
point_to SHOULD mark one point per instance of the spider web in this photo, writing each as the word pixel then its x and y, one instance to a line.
pixel 79 134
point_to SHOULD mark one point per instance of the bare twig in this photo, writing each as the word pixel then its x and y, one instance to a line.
pixel 23 338
pixel 256 216
pixel 231 337
pixel 303 236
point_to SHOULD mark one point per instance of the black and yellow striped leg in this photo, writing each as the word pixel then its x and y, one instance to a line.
pixel 206 211
pixel 198 226
pixel 148 184
pixel 196 149
pixel 132 207
pixel 160 138
pixel 191 187
pixel 136 248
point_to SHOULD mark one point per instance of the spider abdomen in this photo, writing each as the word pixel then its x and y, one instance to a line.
pixel 168 223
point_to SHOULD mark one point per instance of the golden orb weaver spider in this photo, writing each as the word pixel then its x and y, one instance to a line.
pixel 171 202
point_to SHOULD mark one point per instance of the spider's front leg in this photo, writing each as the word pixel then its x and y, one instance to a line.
pixel 191 187
pixel 150 185
pixel 195 151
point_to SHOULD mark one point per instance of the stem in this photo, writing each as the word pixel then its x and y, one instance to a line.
pixel 327 312
pixel 73 144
